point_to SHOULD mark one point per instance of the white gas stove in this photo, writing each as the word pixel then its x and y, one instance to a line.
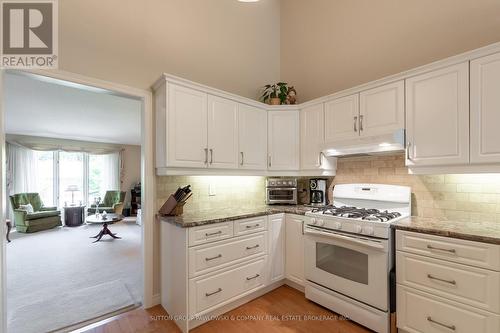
pixel 366 209
pixel 348 249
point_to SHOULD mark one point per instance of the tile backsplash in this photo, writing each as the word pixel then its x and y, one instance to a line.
pixel 230 191
pixel 469 198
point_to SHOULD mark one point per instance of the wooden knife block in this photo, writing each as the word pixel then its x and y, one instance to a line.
pixel 171 207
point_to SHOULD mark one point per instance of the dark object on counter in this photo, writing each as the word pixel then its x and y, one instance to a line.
pixel 175 202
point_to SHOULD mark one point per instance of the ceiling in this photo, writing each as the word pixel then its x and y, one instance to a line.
pixel 40 106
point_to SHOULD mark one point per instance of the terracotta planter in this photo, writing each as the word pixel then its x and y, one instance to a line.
pixel 274 101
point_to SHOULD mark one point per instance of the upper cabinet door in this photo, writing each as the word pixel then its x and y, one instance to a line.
pixel 186 127
pixel 382 109
pixel 283 140
pixel 222 133
pixel 342 118
pixel 312 135
pixel 252 137
pixel 437 109
pixel 485 109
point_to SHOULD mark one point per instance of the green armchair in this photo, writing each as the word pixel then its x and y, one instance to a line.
pixel 42 218
pixel 112 203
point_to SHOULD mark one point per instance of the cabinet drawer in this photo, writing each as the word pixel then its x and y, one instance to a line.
pixel 248 226
pixel 473 286
pixel 209 257
pixel 207 292
pixel 451 249
pixel 210 233
pixel 419 312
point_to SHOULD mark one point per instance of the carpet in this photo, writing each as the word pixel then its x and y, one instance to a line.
pixel 65 310
pixel 63 260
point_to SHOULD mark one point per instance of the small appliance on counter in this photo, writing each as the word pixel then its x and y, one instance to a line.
pixel 317 192
pixel 281 191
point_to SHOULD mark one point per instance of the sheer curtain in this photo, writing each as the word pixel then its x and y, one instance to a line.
pixel 111 171
pixel 21 166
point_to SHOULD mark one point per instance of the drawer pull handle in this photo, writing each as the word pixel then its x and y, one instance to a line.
pixel 253 277
pixel 213 258
pixel 450 327
pixel 430 247
pixel 252 247
pixel 214 292
pixel 213 233
pixel 252 226
pixel 453 282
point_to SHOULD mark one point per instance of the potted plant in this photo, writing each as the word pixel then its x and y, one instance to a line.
pixel 275 94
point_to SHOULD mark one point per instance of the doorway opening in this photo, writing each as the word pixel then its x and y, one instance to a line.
pixel 74 172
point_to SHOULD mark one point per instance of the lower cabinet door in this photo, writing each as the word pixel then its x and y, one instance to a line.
pixel 208 292
pixel 276 228
pixel 294 249
pixel 419 312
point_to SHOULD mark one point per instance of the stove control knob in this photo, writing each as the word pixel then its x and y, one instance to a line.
pixel 313 221
pixel 358 229
pixel 337 225
pixel 321 223
pixel 368 230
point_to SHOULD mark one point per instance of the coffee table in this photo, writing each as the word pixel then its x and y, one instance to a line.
pixel 110 219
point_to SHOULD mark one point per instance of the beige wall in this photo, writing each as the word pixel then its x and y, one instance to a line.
pixel 131 169
pixel 331 45
pixel 223 43
pixel 468 198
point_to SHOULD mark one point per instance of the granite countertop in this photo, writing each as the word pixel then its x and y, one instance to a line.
pixel 203 217
pixel 485 232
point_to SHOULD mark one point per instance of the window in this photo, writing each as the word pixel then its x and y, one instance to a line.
pixel 63 178
pixel 71 178
pixel 44 176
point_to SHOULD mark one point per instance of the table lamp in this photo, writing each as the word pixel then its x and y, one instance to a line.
pixel 72 189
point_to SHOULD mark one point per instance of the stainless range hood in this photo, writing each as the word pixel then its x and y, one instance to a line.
pixel 385 143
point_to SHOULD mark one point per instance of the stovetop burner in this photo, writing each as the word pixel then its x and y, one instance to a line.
pixel 357 213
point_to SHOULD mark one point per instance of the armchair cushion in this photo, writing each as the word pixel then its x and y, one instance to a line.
pixel 39 215
pixel 28 208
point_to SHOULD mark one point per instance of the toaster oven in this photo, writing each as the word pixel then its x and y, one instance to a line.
pixel 281 191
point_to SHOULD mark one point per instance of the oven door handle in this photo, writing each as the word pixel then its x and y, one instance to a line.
pixel 367 243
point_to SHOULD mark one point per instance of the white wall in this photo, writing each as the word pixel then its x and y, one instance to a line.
pixel 223 43
pixel 331 45
pixel 131 169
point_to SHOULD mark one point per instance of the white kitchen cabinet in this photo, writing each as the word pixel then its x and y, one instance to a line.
pixel 186 130
pixel 437 110
pixel 446 284
pixel 252 130
pixel 276 226
pixel 341 118
pixel 283 140
pixel 222 133
pixel 485 109
pixel 382 109
pixel 312 136
pixel 294 236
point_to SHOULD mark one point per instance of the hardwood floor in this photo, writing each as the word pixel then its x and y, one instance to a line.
pixel 282 310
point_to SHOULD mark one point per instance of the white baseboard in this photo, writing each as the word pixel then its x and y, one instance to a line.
pixel 155 300
pixel 295 285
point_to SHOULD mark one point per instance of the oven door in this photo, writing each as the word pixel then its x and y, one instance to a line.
pixel 355 266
